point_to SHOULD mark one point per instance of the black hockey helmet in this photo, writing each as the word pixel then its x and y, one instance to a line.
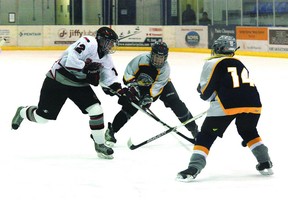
pixel 225 45
pixel 107 40
pixel 159 54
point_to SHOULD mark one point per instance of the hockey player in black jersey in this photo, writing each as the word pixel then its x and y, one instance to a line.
pixel 147 77
pixel 225 83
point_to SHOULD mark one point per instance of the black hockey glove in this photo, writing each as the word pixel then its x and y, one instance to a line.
pixel 123 99
pixel 199 90
pixel 112 89
pixel 92 67
pixel 128 95
pixel 146 101
pixel 92 71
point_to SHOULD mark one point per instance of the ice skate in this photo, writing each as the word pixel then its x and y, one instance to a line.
pixel 187 175
pixel 102 150
pixel 110 139
pixel 17 119
pixel 265 168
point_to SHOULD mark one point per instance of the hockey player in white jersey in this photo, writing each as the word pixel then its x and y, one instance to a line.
pixel 86 62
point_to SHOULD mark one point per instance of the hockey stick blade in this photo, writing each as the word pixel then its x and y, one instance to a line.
pixel 133 146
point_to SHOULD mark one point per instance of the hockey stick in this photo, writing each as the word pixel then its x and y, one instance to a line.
pixel 152 115
pixel 132 146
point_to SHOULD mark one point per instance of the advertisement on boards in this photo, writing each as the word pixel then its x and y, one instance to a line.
pixel 66 35
pixel 9 33
pixel 191 36
pixel 278 39
pixel 139 36
pixel 30 36
pixel 252 38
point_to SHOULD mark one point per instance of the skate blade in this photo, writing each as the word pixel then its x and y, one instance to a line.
pixel 103 156
pixel 189 178
pixel 266 172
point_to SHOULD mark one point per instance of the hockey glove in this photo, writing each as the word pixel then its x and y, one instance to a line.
pixel 146 101
pixel 133 93
pixel 128 95
pixel 123 99
pixel 92 67
pixel 129 83
pixel 92 71
pixel 112 89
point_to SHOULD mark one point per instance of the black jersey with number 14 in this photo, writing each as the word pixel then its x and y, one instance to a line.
pixel 226 83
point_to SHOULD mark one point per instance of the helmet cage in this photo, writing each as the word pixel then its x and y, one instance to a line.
pixel 107 40
pixel 158 60
pixel 159 54
pixel 108 46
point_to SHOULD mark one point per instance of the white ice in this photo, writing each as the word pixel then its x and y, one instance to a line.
pixel 52 169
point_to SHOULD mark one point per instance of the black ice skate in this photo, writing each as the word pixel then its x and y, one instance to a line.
pixel 265 168
pixel 187 175
pixel 17 119
pixel 110 139
pixel 102 150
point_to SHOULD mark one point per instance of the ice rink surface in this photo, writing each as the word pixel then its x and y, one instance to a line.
pixel 52 169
